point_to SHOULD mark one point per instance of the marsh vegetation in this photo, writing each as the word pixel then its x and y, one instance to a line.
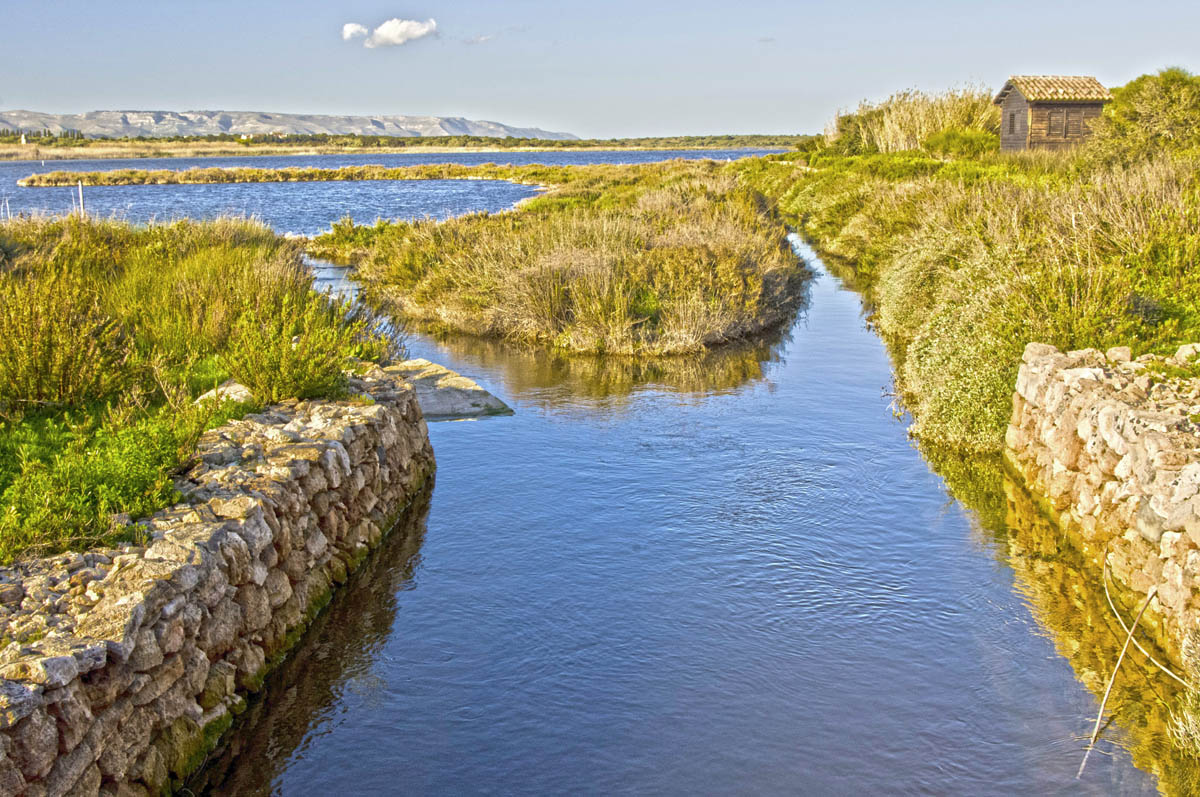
pixel 649 260
pixel 108 332
pixel 70 144
pixel 965 259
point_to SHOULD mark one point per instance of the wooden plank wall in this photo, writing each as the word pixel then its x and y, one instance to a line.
pixel 1060 125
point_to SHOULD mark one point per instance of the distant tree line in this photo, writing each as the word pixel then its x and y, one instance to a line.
pixel 44 137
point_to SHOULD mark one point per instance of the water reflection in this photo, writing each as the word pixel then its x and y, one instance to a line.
pixel 758 591
pixel 1063 588
pixel 547 377
pixel 334 663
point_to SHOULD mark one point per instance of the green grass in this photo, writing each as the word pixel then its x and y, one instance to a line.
pixel 657 259
pixel 107 334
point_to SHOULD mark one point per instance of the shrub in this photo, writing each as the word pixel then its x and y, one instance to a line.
pixel 907 119
pixel 297 349
pixel 1148 116
pixel 962 143
pixel 57 344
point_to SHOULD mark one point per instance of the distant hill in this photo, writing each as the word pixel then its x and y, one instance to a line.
pixel 158 124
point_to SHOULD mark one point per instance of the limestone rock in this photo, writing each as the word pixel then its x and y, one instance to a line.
pixel 1110 442
pixel 446 395
pixel 228 391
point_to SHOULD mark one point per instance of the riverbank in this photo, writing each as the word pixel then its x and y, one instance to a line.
pixel 122 668
pixel 964 262
pixel 1111 442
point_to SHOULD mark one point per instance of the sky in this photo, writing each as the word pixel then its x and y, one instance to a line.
pixel 595 69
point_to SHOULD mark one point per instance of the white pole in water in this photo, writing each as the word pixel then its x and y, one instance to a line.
pixel 81 210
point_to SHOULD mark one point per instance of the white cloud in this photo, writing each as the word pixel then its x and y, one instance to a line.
pixel 397 31
pixel 351 30
pixel 480 39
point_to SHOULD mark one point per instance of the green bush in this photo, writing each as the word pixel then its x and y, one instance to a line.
pixel 1148 116
pixel 962 143
pixel 295 350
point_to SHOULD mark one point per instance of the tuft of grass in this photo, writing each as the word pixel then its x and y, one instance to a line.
pixel 911 120
pixel 297 349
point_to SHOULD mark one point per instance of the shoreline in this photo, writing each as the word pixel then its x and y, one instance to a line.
pixel 32 154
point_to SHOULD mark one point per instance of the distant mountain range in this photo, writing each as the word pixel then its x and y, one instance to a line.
pixel 156 124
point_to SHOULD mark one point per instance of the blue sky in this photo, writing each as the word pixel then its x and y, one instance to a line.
pixel 595 69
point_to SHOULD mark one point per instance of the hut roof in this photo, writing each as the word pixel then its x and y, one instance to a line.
pixel 1061 88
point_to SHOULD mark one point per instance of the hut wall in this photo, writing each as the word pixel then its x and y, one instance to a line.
pixel 1014 122
pixel 1060 125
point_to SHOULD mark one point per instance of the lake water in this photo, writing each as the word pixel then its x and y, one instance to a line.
pixel 732 574
pixel 303 208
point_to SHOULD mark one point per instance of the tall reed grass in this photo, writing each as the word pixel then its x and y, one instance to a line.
pixel 908 119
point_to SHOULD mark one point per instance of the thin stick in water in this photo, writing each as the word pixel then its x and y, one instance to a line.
pixel 1112 679
pixel 82 212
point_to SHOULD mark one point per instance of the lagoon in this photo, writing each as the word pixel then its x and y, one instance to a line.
pixel 728 574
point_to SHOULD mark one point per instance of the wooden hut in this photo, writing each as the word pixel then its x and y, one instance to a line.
pixel 1048 111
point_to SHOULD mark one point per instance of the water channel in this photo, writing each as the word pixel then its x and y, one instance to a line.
pixel 725 575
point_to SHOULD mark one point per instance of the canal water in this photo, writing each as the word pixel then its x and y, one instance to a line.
pixel 725 575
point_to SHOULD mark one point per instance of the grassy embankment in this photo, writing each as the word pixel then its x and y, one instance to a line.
pixel 665 258
pixel 108 333
pixel 65 147
pixel 967 254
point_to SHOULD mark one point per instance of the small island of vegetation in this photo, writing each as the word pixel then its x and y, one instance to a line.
pixel 636 260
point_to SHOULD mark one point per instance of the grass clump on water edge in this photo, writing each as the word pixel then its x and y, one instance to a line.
pixel 666 258
pixel 108 332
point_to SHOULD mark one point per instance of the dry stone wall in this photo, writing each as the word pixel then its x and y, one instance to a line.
pixel 120 669
pixel 1113 445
